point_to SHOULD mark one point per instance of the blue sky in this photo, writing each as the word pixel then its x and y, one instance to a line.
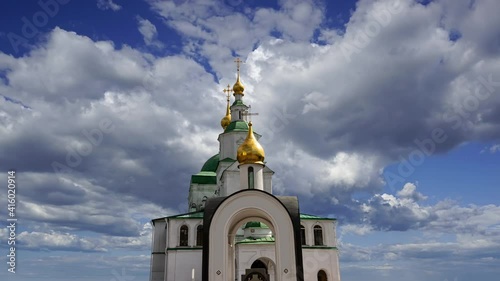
pixel 384 114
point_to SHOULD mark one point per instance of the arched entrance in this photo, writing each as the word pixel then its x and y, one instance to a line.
pixel 267 265
pixel 259 264
pixel 256 272
pixel 322 276
pixel 223 218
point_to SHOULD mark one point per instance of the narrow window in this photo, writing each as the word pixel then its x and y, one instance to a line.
pixel 199 235
pixel 303 234
pixel 322 276
pixel 318 235
pixel 183 237
pixel 250 177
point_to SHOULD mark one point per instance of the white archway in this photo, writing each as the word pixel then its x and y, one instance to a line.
pixel 242 207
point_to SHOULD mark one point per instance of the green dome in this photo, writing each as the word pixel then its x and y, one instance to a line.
pixel 237 125
pixel 255 224
pixel 211 164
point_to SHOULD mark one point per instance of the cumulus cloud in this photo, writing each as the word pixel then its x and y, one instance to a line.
pixel 56 241
pixel 405 212
pixel 356 229
pixel 203 25
pixel 410 191
pixel 71 184
pixel 388 212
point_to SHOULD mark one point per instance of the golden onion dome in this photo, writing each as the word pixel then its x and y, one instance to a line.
pixel 226 120
pixel 238 87
pixel 250 151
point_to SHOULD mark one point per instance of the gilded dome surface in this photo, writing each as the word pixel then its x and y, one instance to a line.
pixel 225 121
pixel 238 87
pixel 250 151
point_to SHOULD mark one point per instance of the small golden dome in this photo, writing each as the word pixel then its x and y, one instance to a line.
pixel 225 121
pixel 250 151
pixel 238 87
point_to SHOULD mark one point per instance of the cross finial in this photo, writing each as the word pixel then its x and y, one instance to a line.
pixel 248 114
pixel 227 91
pixel 238 62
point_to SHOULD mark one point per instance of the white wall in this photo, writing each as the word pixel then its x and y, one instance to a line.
pixel 182 260
pixel 246 254
pixel 180 264
pixel 158 246
pixel 173 229
pixel 315 260
pixel 329 234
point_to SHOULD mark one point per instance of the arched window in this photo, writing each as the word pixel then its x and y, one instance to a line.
pixel 203 202
pixel 199 235
pixel 303 234
pixel 193 207
pixel 183 236
pixel 322 276
pixel 250 177
pixel 318 235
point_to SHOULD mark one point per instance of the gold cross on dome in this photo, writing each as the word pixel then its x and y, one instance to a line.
pixel 227 91
pixel 238 63
pixel 248 114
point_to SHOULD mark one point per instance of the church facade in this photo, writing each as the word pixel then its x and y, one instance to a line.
pixel 236 229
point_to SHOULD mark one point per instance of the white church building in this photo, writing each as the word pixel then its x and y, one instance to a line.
pixel 237 230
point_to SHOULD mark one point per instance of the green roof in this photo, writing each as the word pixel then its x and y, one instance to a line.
pixel 192 215
pixel 238 102
pixel 255 224
pixel 199 215
pixel 211 164
pixel 313 217
pixel 252 240
pixel 204 178
pixel 237 125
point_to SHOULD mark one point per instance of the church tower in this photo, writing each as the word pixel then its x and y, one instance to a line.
pixel 250 155
pixel 220 175
pixel 236 229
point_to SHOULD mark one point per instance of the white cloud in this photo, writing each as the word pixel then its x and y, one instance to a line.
pixel 108 5
pixel 57 241
pixel 149 32
pixel 356 229
pixel 409 191
pixel 47 239
pixel 494 148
